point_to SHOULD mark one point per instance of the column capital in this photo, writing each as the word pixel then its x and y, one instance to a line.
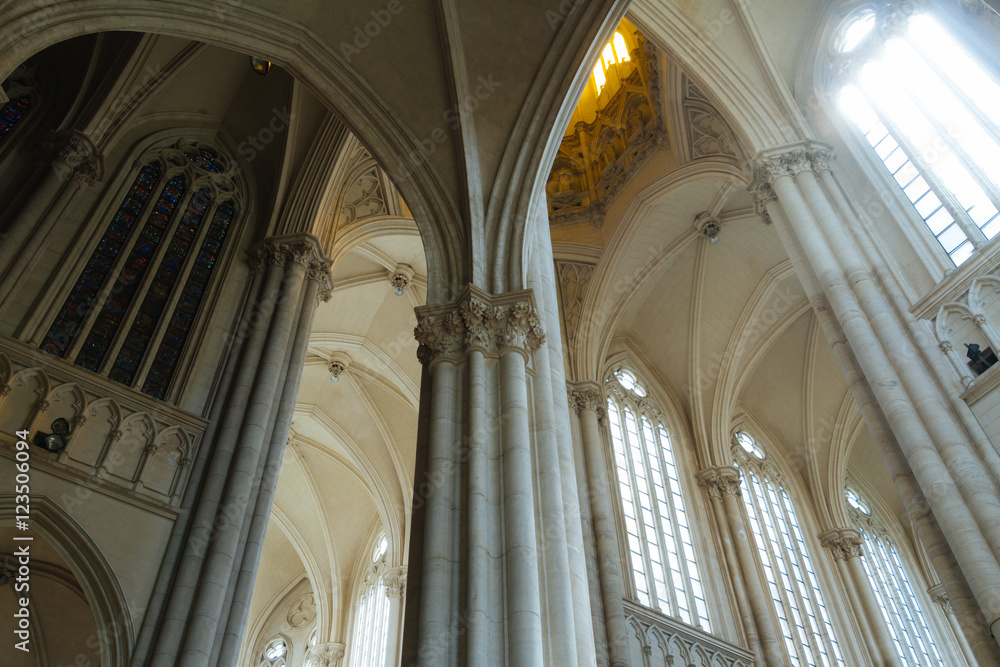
pixel 302 249
pixel 395 582
pixel 587 396
pixel 844 544
pixel 940 597
pixel 327 655
pixel 790 160
pixel 478 320
pixel 720 482
pixel 74 156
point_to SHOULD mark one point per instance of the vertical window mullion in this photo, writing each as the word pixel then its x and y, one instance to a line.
pixel 175 293
pixel 173 224
pixel 943 192
pixel 116 267
pixel 675 536
pixel 640 519
pixel 661 538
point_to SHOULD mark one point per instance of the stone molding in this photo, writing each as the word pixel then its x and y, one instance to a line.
pixel 302 249
pixel 395 582
pixel 844 544
pixel 327 655
pixel 478 320
pixel 720 482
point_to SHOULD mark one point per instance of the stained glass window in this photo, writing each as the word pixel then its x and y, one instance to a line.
pixel 371 620
pixel 792 583
pixel 661 549
pixel 927 109
pixel 11 113
pixel 133 310
pixel 900 609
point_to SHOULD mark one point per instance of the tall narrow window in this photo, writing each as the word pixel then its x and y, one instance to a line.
pixel 131 309
pixel 614 52
pixel 371 619
pixel 900 610
pixel 661 548
pixel 20 89
pixel 791 579
pixel 928 110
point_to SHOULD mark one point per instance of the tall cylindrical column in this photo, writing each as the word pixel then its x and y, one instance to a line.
pixel 846 546
pixel 963 531
pixel 725 481
pixel 940 597
pixel 590 404
pixel 395 590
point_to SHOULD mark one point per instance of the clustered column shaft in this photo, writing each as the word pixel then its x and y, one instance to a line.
pixel 203 600
pixel 886 366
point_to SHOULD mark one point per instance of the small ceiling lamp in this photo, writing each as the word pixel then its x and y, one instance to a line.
pixel 709 226
pixel 260 65
pixel 55 442
pixel 336 368
pixel 401 278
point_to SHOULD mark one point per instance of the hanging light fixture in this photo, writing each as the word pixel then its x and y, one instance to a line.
pixel 401 278
pixel 709 226
pixel 260 65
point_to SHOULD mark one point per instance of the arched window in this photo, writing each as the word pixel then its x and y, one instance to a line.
pixel 791 579
pixel 662 557
pixel 371 619
pixel 900 610
pixel 20 89
pixel 275 654
pixel 928 110
pixel 132 307
pixel 615 52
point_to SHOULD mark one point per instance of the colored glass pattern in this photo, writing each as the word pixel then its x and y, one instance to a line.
pixel 165 363
pixel 11 114
pixel 129 280
pixel 206 159
pixel 153 304
pixel 84 293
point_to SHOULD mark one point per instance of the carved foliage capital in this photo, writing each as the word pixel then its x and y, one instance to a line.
pixel 940 597
pixel 479 321
pixel 843 544
pixel 588 399
pixel 304 251
pixel 75 156
pixel 327 655
pixel 792 161
pixel 395 582
pixel 720 482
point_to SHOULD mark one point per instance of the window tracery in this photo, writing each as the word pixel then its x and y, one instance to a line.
pixel 901 611
pixel 791 579
pixel 131 309
pixel 925 107
pixel 661 549
pixel 371 620
pixel 275 654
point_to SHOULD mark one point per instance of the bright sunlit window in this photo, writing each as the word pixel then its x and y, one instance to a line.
pixel 371 620
pixel 791 579
pixel 275 653
pixel 900 610
pixel 615 51
pixel 661 551
pixel 928 110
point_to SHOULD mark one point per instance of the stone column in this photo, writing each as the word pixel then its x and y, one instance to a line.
pixel 962 498
pixel 589 403
pixel 489 453
pixel 846 547
pixel 223 537
pixel 77 163
pixel 928 531
pixel 940 598
pixel 327 655
pixel 711 480
pixel 395 590
pixel 724 483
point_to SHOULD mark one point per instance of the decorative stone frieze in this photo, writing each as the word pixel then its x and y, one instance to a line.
pixel 720 482
pixel 844 544
pixel 481 321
